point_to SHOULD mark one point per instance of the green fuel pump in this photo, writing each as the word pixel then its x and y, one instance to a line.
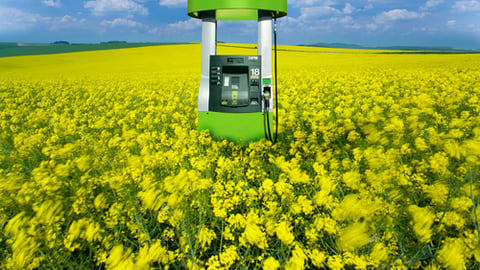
pixel 235 98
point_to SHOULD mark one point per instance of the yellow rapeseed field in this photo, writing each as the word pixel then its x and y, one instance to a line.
pixel 377 164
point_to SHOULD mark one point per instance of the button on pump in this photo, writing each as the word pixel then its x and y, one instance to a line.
pixel 215 75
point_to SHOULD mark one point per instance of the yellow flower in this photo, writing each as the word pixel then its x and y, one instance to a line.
pixel 253 234
pixel 472 147
pixel 49 212
pixel 100 201
pixel 463 204
pixel 335 262
pixel 354 236
pixel 177 217
pixel 271 264
pixel 267 188
pixel 354 207
pixel 302 205
pixel 237 221
pixel 395 125
pixel 380 253
pixel 420 144
pixel 120 258
pixel 432 266
pixel 454 219
pixel 83 163
pixel 453 149
pixel 24 248
pixel 229 256
pixel 22 243
pixel 476 253
pixel 284 233
pixel 291 168
pixel 205 236
pixel 317 257
pixel 423 219
pixel 452 254
pixel 439 163
pixel 297 260
pixel 284 189
pixel 152 253
pixel 438 192
pixel 358 261
pixel 86 229
pixel 352 179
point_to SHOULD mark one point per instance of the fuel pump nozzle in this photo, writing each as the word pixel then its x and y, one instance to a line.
pixel 267 91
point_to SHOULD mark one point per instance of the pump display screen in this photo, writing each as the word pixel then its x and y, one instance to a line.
pixel 235 60
pixel 235 82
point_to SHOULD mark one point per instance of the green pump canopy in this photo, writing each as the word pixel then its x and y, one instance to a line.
pixel 237 9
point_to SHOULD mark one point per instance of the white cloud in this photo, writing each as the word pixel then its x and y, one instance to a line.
pixel 100 7
pixel 13 19
pixel 122 22
pixel 348 9
pixel 51 3
pixel 318 12
pixel 451 23
pixel 326 18
pixel 398 14
pixel 155 30
pixel 347 22
pixel 67 21
pixel 472 5
pixel 431 4
pixel 367 7
pixel 289 24
pixel 303 3
pixel 70 19
pixel 371 26
pixel 173 3
pixel 189 24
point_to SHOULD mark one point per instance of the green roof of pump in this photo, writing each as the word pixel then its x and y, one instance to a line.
pixel 237 9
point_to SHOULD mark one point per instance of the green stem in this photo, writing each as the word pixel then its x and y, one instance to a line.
pixel 221 237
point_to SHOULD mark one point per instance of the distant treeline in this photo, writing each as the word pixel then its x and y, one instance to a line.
pixel 19 49
pixel 61 42
pixel 113 42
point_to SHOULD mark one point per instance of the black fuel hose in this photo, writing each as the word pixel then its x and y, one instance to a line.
pixel 268 133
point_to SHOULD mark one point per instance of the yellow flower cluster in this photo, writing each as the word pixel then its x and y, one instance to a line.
pixel 377 165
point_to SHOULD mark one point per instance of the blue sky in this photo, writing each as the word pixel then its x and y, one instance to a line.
pixel 454 23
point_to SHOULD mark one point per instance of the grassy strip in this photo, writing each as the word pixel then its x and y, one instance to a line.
pixel 12 49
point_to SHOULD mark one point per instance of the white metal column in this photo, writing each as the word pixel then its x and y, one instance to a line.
pixel 265 50
pixel 209 47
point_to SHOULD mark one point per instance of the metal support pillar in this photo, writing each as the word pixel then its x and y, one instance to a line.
pixel 209 47
pixel 265 50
